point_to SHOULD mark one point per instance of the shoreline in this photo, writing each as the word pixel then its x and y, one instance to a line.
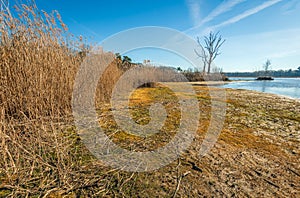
pixel 257 152
pixel 267 93
pixel 219 84
pixel 256 77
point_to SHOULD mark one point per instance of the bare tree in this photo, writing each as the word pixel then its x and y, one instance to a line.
pixel 266 66
pixel 202 55
pixel 212 44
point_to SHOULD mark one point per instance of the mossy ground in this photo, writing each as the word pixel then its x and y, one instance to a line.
pixel 257 152
pixel 256 145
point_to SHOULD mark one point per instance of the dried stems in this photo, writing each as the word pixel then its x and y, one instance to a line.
pixel 40 152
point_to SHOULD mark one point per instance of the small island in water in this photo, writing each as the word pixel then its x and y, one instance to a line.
pixel 264 78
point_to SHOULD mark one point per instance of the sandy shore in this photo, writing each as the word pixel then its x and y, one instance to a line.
pixel 257 153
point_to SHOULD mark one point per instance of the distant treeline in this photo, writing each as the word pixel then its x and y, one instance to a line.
pixel 274 73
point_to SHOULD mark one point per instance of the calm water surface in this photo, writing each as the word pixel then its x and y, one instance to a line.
pixel 289 87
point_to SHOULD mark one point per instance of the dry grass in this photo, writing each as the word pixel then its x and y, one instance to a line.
pixel 139 104
pixel 40 152
pixel 42 156
pixel 37 67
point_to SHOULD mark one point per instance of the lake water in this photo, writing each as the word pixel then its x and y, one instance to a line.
pixel 289 87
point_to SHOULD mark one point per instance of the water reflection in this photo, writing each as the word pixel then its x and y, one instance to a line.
pixel 282 86
pixel 263 86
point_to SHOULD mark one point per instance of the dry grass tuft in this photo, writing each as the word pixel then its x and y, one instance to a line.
pixel 38 66
pixel 40 152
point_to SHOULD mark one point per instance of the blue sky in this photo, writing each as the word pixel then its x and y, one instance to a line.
pixel 255 30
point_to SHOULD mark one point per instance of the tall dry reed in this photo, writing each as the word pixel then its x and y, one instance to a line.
pixel 40 151
pixel 37 65
pixel 41 154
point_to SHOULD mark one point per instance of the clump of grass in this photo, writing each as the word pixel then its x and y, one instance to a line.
pixel 38 66
pixel 40 152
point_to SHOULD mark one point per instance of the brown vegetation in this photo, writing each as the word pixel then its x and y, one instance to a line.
pixel 42 156
pixel 200 76
pixel 40 151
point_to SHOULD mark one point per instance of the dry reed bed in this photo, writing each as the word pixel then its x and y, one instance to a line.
pixel 41 155
pixel 40 152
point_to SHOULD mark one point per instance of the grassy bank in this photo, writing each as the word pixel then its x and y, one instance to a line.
pixel 257 153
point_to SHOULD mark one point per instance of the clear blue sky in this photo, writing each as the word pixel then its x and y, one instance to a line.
pixel 255 30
